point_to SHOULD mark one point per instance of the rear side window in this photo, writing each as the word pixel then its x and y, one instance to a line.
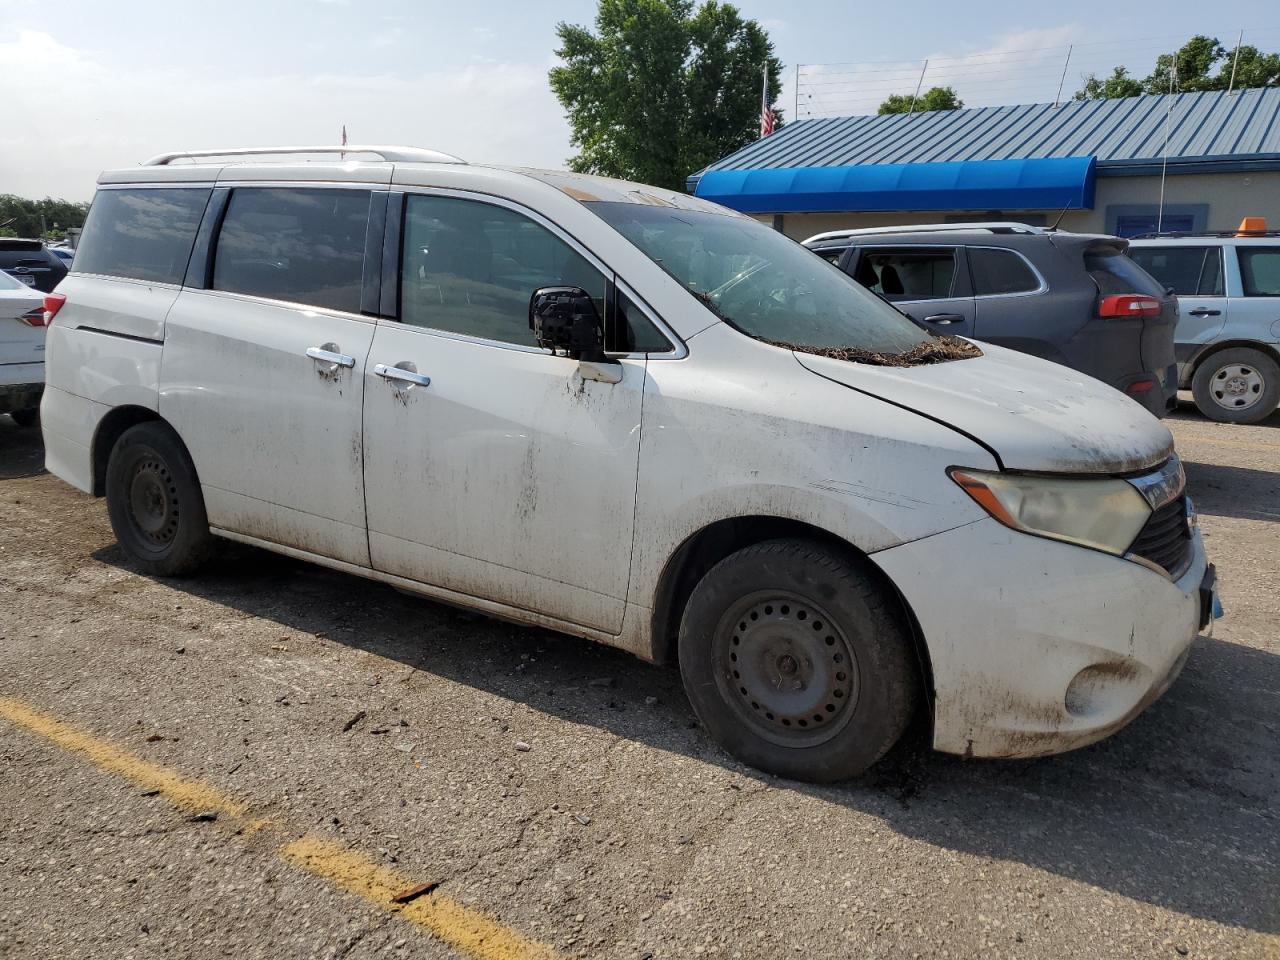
pixel 831 254
pixel 470 267
pixel 303 245
pixel 1114 273
pixel 908 274
pixel 1190 271
pixel 142 234
pixel 1260 271
pixel 997 272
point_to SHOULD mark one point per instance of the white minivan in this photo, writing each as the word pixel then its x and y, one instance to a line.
pixel 630 415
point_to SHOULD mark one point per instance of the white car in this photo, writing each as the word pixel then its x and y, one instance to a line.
pixel 634 416
pixel 22 330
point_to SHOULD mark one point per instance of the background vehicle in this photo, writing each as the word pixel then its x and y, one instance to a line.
pixel 1228 335
pixel 22 333
pixel 1072 298
pixel 31 263
pixel 630 415
pixel 63 252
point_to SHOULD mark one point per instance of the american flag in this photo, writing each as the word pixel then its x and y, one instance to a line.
pixel 766 110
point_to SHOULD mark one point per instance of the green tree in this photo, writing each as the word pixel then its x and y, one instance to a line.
pixel 49 218
pixel 1202 63
pixel 1119 84
pixel 935 98
pixel 661 88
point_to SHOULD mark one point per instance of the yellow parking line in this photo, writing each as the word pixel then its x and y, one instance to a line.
pixel 471 932
pixel 184 794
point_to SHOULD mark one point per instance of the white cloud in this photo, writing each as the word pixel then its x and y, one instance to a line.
pixel 101 118
pixel 1020 67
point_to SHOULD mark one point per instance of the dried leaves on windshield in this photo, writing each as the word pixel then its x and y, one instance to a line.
pixel 934 350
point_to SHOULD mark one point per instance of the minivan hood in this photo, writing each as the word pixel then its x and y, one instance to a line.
pixel 1034 414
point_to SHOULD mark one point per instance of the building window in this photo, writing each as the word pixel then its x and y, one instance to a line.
pixel 1137 219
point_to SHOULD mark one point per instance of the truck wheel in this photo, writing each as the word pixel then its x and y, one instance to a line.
pixel 26 418
pixel 1237 385
pixel 796 661
pixel 154 502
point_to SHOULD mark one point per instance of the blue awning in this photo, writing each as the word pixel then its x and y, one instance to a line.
pixel 1043 184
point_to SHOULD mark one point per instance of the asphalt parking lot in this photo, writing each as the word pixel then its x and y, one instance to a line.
pixel 275 760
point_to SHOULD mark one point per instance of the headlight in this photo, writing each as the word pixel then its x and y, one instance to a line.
pixel 1102 513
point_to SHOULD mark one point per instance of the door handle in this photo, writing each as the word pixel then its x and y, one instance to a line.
pixel 944 318
pixel 330 356
pixel 1205 312
pixel 399 373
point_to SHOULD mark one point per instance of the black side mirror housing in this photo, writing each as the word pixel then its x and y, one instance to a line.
pixel 565 320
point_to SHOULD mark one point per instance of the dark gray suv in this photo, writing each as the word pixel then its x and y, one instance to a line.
pixel 1073 298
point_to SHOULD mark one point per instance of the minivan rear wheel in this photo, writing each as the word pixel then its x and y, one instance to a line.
pixel 796 660
pixel 154 502
pixel 1237 385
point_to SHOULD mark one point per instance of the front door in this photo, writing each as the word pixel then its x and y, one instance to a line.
pixel 262 374
pixel 492 468
pixel 929 283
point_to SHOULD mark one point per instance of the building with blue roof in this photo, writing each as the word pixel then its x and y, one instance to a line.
pixel 1100 161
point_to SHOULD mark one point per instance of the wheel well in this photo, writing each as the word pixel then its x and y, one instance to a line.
pixel 116 422
pixel 713 543
pixel 1269 349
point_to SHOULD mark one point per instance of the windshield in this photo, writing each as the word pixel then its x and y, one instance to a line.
pixel 766 285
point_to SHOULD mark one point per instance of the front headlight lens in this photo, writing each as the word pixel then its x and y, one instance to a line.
pixel 1098 512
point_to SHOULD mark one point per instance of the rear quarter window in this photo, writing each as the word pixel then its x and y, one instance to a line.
pixel 141 234
pixel 1189 271
pixel 1114 272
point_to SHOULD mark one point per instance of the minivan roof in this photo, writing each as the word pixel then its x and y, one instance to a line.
pixel 386 165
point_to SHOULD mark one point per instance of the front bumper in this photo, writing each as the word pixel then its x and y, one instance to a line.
pixel 1039 647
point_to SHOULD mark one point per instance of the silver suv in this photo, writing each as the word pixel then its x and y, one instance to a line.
pixel 1228 334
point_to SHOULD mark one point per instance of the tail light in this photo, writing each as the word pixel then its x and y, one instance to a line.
pixel 52 304
pixel 33 318
pixel 1129 305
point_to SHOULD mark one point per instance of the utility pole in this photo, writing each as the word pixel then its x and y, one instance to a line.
pixel 1164 160
pixel 919 84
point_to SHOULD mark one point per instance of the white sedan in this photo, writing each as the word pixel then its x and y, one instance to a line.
pixel 22 329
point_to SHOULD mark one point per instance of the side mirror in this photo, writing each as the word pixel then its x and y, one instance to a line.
pixel 565 320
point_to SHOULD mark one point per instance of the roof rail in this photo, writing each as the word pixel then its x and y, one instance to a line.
pixel 994 227
pixel 1183 234
pixel 391 154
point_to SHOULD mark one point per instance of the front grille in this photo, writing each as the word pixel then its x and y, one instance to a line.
pixel 1166 538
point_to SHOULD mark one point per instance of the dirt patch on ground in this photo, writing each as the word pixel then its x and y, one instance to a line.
pixel 937 350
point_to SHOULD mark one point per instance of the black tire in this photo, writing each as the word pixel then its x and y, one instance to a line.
pixel 800 614
pixel 1237 385
pixel 154 502
pixel 26 418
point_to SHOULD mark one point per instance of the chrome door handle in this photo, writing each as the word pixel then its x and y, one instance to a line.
pixel 944 318
pixel 399 373
pixel 330 356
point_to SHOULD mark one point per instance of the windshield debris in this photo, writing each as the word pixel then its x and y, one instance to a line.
pixel 938 350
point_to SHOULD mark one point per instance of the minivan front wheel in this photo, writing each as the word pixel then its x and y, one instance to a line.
pixel 154 502
pixel 1237 385
pixel 796 661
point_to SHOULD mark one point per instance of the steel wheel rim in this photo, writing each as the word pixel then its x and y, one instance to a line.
pixel 153 502
pixel 786 668
pixel 1236 386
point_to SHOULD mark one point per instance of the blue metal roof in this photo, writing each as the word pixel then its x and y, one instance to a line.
pixel 1207 131
pixel 1039 184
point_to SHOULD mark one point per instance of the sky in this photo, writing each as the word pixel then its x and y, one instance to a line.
pixel 96 84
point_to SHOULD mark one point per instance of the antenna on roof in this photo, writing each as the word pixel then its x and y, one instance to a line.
pixel 1061 215
pixel 1164 159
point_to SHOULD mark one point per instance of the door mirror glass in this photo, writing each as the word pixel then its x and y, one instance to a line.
pixel 565 320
